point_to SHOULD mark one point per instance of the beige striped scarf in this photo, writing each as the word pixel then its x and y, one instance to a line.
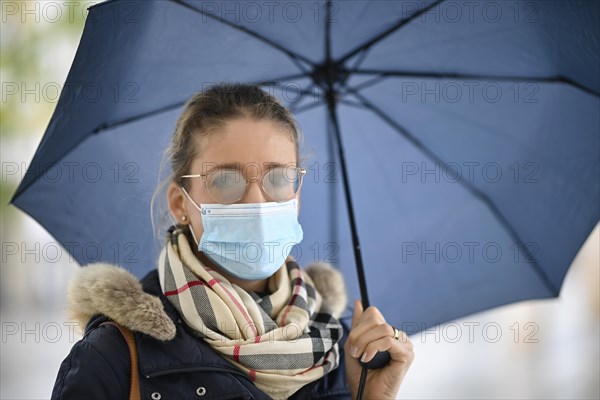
pixel 282 340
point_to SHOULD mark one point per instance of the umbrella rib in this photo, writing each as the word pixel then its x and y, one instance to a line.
pixel 137 117
pixel 295 57
pixel 360 59
pixel 443 75
pixel 278 80
pixel 474 190
pixel 303 92
pixel 365 84
pixel 387 32
pixel 306 107
pixel 353 104
pixel 117 123
pixel 123 121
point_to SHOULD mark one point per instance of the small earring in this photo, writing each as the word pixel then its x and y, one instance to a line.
pixel 184 218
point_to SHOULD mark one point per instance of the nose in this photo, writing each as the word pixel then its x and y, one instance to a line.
pixel 254 194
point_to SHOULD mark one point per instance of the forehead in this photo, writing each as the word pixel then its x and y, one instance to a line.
pixel 245 141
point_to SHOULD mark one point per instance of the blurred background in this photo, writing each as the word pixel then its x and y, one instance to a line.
pixel 529 350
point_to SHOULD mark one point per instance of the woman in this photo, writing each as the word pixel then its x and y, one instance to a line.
pixel 228 313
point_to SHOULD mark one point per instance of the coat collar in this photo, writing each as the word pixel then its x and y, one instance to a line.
pixel 103 289
pixel 181 352
pixel 165 345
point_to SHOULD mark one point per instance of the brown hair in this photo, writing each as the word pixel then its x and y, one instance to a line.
pixel 203 114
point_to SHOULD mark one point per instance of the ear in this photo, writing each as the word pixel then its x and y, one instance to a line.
pixel 177 205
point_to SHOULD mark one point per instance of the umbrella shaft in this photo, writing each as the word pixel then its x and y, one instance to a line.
pixel 331 102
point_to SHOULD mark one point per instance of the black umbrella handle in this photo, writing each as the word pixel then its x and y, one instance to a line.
pixel 381 359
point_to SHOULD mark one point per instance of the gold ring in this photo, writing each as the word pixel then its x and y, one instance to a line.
pixel 396 333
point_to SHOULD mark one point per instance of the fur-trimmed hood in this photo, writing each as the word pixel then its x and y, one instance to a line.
pixel 107 289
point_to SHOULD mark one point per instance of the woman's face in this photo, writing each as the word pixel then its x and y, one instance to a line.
pixel 252 145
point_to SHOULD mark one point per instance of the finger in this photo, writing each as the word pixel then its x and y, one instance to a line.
pixel 369 319
pixel 402 337
pixel 403 349
pixel 358 311
pixel 399 351
pixel 359 344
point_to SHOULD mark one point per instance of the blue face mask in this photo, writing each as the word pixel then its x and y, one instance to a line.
pixel 249 240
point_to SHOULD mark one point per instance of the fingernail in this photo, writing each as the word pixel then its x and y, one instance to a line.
pixel 364 357
pixel 354 351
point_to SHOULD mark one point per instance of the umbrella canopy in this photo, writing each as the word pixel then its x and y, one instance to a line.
pixel 458 143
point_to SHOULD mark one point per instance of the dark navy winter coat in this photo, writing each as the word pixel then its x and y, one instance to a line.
pixel 186 367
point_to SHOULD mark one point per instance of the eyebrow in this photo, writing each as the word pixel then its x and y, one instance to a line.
pixel 241 166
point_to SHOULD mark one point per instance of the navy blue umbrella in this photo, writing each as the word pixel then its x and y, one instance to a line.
pixel 458 141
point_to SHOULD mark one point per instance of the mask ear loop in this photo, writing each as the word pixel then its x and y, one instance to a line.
pixel 190 224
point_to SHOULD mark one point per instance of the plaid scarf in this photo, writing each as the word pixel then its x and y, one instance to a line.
pixel 282 340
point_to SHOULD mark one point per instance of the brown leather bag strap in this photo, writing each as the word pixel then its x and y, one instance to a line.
pixel 134 390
